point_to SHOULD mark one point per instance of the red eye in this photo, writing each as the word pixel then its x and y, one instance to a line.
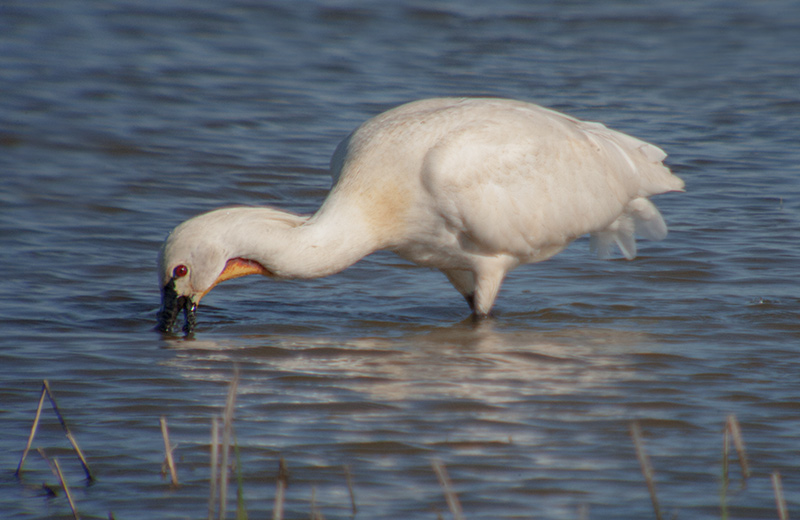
pixel 180 271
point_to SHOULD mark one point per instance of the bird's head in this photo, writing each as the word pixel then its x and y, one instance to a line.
pixel 196 256
pixel 190 262
pixel 211 248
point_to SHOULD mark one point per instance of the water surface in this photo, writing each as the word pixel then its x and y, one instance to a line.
pixel 118 121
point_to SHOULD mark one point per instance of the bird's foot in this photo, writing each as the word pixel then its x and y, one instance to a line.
pixel 481 317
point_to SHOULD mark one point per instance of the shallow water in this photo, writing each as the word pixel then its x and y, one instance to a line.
pixel 119 121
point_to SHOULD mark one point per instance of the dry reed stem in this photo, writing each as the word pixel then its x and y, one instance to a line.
pixel 780 501
pixel 647 469
pixel 348 476
pixel 212 495
pixel 67 432
pixel 49 393
pixel 316 514
pixel 42 454
pixel 241 509
pixel 66 490
pixel 447 486
pixel 280 490
pixel 732 424
pixel 723 499
pixel 49 490
pixel 173 472
pixel 726 446
pixel 227 431
pixel 34 427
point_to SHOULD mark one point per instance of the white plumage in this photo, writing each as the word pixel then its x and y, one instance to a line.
pixel 474 187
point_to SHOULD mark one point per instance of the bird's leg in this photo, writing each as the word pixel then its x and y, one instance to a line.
pixel 479 290
pixel 480 317
pixel 464 282
pixel 476 316
pixel 487 284
pixel 470 301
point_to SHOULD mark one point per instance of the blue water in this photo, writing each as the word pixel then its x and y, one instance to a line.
pixel 119 120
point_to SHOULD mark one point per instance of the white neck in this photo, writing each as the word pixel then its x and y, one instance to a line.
pixel 290 247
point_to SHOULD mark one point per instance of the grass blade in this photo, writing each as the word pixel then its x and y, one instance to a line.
pixel 227 431
pixel 168 448
pixel 723 492
pixel 212 495
pixel 241 510
pixel 348 476
pixel 780 501
pixel 447 486
pixel 736 433
pixel 647 469
pixel 280 490
pixel 34 428
pixel 67 432
pixel 66 490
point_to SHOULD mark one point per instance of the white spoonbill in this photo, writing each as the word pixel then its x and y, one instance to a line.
pixel 473 187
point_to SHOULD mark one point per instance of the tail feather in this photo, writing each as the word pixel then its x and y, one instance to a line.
pixel 640 218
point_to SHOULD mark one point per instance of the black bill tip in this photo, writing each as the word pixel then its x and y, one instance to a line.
pixel 171 306
pixel 190 316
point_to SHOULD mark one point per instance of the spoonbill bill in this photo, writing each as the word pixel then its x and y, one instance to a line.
pixel 473 187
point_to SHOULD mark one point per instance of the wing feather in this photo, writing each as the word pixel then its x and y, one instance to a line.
pixel 526 181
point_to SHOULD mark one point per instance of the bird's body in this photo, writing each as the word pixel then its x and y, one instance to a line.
pixel 474 187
